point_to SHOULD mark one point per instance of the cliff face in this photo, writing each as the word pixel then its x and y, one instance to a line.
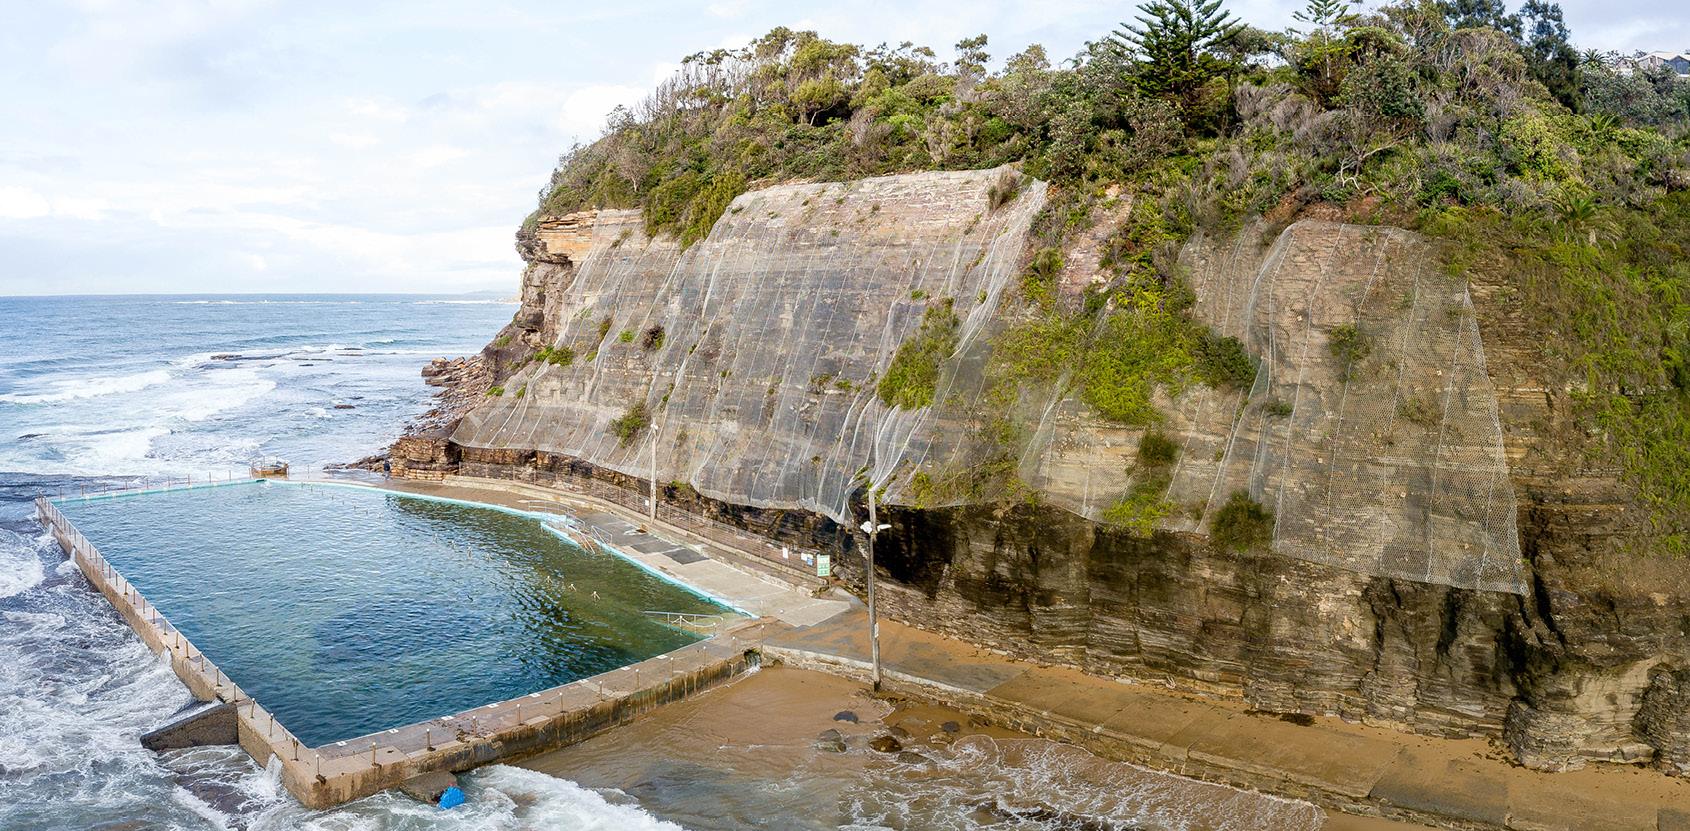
pixel 755 354
pixel 1445 557
pixel 1384 455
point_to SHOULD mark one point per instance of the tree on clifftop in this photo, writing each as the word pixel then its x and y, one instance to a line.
pixel 1177 44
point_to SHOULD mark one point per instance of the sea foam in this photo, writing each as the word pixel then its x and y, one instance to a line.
pixel 70 389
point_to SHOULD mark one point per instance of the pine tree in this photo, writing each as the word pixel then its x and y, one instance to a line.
pixel 1319 59
pixel 1324 15
pixel 1175 42
pixel 1550 55
pixel 1466 14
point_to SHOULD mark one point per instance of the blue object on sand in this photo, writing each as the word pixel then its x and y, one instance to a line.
pixel 452 797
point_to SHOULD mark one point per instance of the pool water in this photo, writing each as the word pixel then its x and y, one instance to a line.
pixel 348 610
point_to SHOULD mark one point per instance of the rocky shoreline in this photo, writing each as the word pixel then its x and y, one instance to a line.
pixel 463 382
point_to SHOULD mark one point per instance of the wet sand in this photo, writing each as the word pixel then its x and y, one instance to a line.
pixel 757 754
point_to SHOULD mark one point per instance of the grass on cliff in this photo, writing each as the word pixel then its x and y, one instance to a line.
pixel 555 355
pixel 1143 503
pixel 1608 291
pixel 912 379
pixel 633 421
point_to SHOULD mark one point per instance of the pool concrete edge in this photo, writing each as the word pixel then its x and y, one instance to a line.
pixel 333 774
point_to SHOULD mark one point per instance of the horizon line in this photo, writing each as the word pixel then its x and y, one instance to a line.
pixel 489 292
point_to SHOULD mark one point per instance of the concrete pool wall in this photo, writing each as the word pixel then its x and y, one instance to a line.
pixel 328 775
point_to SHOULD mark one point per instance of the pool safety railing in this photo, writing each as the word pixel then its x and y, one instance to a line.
pixel 586 538
pixel 203 677
pixel 154 484
pixel 693 620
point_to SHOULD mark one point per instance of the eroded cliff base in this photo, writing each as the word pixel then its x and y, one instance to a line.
pixel 1561 677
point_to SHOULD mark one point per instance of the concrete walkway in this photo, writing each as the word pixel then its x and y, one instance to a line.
pixel 1349 767
pixel 655 545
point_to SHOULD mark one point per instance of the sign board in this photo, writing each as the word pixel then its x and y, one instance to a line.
pixel 824 565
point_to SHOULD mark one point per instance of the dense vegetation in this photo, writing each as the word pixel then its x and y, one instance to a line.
pixel 1562 175
pixel 912 379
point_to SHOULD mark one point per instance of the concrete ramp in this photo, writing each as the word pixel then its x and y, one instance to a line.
pixel 209 722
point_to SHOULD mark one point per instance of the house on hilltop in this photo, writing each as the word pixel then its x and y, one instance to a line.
pixel 1678 62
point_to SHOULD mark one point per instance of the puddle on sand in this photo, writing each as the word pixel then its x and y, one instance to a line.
pixel 752 755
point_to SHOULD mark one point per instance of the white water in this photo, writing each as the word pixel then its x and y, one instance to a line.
pixel 77 689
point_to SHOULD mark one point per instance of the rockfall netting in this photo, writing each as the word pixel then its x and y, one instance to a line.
pixel 1371 430
pixel 756 352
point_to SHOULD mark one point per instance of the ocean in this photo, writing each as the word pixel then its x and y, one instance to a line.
pixel 96 391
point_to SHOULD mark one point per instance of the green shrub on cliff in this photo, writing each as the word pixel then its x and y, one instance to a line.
pixel 1222 362
pixel 1143 503
pixel 1350 346
pixel 652 339
pixel 631 423
pixel 555 355
pixel 1242 524
pixel 1138 349
pixel 912 379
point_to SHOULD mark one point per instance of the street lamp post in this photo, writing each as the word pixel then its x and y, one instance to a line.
pixel 654 472
pixel 873 529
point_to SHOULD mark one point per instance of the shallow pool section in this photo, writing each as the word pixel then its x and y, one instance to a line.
pixel 348 610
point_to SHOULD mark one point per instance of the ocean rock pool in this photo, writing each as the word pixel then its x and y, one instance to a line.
pixel 348 610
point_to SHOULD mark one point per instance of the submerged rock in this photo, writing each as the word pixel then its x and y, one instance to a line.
pixel 831 741
pixel 886 744
pixel 845 715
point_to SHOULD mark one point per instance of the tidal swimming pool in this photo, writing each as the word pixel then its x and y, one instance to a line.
pixel 348 610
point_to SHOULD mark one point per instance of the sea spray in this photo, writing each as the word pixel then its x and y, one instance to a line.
pixel 499 798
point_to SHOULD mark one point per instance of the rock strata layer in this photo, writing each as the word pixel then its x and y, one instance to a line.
pixel 1448 557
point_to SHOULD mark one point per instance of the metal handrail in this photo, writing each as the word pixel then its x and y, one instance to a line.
pixel 702 621
pixel 149 483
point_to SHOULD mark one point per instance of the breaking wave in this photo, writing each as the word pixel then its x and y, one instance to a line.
pixel 68 389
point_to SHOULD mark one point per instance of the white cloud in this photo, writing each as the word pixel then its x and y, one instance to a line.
pixel 22 203
pixel 584 111
pixel 727 8
pixel 377 109
pixel 354 140
pixel 73 207
pixel 436 155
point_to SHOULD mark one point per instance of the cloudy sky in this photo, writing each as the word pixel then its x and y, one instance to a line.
pixel 298 146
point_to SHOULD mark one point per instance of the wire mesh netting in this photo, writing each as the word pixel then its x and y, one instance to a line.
pixel 1371 430
pixel 756 352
